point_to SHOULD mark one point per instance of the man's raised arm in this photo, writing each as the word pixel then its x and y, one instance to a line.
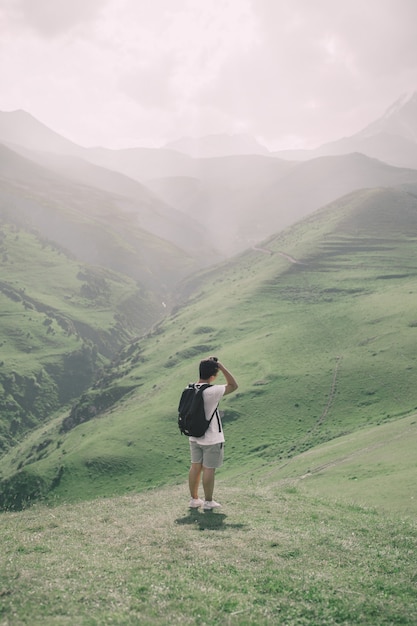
pixel 231 384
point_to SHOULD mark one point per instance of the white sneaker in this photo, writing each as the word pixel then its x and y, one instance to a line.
pixel 211 504
pixel 195 503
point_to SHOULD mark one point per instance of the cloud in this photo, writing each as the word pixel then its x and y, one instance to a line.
pixel 320 69
pixel 50 18
pixel 119 72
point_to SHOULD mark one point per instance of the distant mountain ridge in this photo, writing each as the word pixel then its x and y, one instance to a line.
pixel 86 221
pixel 391 138
pixel 21 128
pixel 400 119
pixel 217 145
pixel 181 198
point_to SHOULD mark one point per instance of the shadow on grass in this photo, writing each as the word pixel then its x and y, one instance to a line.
pixel 207 520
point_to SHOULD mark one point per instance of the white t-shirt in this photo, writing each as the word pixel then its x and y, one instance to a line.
pixel 214 434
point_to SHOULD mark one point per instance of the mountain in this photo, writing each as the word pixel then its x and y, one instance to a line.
pixel 61 321
pixel 150 213
pixel 95 168
pixel 399 120
pixel 391 138
pixel 254 197
pixel 226 190
pixel 80 278
pixel 318 323
pixel 217 146
pixel 185 199
pixel 21 128
pixel 97 227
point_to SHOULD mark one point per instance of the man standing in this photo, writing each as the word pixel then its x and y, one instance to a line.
pixel 207 451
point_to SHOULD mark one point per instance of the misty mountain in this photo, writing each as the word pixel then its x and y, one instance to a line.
pixel 108 170
pixel 227 204
pixel 317 182
pixel 391 138
pixel 254 197
pixel 96 227
pixel 22 129
pixel 399 120
pixel 151 213
pixel 217 145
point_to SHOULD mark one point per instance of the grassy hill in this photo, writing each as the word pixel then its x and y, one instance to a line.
pixel 61 321
pixel 372 467
pixel 319 326
pixel 282 550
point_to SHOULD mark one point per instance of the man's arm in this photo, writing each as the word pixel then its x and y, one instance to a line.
pixel 230 379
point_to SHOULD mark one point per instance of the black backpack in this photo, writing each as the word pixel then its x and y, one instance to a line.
pixel 191 414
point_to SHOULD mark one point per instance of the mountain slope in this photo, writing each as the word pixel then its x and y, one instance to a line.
pixel 60 322
pixel 21 128
pixel 79 280
pixel 95 226
pixel 254 197
pixel 318 324
pixel 150 213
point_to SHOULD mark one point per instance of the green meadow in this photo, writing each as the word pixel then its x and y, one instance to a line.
pixel 274 554
pixel 319 326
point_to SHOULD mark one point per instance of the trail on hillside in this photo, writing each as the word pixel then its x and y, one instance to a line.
pixel 340 460
pixel 358 452
pixel 332 393
pixel 283 254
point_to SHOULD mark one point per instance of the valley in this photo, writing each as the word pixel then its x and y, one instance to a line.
pixel 119 291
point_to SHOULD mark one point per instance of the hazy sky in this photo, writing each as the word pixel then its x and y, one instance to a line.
pixel 123 73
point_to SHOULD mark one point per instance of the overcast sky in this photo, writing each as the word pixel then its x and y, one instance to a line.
pixel 124 73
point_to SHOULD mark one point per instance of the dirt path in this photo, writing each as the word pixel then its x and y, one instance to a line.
pixel 331 393
pixel 283 254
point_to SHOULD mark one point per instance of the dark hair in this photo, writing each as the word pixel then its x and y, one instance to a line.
pixel 208 367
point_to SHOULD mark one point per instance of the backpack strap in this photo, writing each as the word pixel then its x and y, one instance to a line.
pixel 215 412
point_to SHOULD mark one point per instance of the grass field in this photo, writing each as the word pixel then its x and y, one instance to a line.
pixel 291 545
pixel 271 555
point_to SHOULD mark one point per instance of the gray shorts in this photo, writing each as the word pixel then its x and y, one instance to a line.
pixel 209 456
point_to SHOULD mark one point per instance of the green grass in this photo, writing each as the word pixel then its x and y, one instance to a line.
pixel 320 348
pixel 373 467
pixel 60 322
pixel 271 555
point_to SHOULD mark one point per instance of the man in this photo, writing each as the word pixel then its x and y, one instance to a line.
pixel 207 451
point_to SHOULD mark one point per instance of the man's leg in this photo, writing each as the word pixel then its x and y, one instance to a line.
pixel 208 482
pixel 194 479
